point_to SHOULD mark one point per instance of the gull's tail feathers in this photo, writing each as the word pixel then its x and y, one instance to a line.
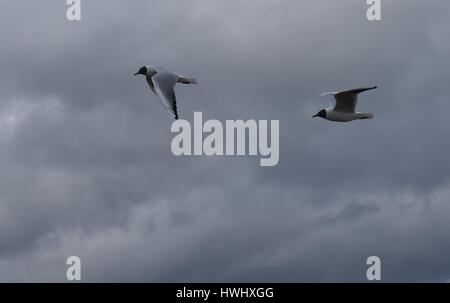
pixel 185 80
pixel 363 116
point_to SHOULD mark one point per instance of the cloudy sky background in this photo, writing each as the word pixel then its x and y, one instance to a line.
pixel 86 166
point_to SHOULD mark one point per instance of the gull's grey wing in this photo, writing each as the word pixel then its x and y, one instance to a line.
pixel 164 85
pixel 150 83
pixel 330 97
pixel 346 100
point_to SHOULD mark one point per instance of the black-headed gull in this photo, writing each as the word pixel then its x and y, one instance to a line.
pixel 162 82
pixel 345 108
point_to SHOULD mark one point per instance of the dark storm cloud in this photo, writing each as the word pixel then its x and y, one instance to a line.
pixel 85 148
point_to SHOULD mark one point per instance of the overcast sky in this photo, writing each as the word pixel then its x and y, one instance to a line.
pixel 87 170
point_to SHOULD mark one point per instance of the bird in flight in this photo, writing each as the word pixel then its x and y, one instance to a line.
pixel 345 108
pixel 162 83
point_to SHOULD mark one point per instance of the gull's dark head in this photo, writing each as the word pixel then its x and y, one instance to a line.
pixel 321 114
pixel 142 71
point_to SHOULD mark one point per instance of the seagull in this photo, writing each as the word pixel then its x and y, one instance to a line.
pixel 344 110
pixel 162 83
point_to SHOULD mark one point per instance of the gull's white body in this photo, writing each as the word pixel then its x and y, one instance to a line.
pixel 337 116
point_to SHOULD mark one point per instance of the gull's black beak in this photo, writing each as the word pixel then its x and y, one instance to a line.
pixel 316 115
pixel 136 74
